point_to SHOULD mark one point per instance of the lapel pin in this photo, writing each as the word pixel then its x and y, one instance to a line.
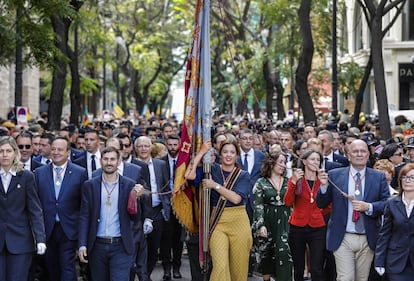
pixel 70 172
pixel 18 186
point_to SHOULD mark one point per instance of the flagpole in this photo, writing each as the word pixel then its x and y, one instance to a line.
pixel 205 106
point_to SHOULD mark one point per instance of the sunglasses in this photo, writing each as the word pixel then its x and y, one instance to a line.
pixel 26 146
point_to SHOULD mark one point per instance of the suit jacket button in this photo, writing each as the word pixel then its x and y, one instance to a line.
pixel 98 220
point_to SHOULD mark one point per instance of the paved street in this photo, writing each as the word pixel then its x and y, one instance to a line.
pixel 185 272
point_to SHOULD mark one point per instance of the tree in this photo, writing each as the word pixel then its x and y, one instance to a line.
pixel 374 11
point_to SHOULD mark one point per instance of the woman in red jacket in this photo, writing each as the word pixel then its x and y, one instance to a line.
pixel 307 225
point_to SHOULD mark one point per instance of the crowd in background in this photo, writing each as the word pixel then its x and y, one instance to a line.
pixel 292 201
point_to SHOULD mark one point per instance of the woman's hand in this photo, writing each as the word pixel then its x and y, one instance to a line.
pixel 208 183
pixel 263 231
pixel 323 177
pixel 205 147
pixel 297 175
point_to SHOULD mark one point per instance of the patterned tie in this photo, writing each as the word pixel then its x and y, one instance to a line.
pixel 246 163
pixel 356 215
pixel 58 181
pixel 93 164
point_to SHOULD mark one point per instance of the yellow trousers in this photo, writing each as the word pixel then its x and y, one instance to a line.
pixel 230 245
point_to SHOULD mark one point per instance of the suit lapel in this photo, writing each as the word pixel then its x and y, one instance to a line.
pixel 97 195
pixel 400 206
pixel 13 182
pixel 66 179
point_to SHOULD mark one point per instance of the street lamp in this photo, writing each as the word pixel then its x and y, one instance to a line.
pixel 334 63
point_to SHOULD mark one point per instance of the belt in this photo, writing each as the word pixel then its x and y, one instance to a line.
pixel 108 240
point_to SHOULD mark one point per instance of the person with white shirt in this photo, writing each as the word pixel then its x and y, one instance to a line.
pixel 91 159
pixel 24 142
pixel 394 253
pixel 21 219
pixel 159 212
pixel 59 189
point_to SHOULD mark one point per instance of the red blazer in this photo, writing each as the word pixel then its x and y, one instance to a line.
pixel 304 212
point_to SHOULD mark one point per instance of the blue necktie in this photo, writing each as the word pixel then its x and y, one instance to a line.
pixel 246 163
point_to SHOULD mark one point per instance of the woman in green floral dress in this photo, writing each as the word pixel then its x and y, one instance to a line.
pixel 270 224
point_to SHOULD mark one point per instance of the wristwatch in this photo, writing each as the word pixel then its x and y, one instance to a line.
pixel 217 187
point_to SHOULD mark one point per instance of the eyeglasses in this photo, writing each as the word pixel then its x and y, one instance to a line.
pixel 407 178
pixel 26 146
pixel 397 154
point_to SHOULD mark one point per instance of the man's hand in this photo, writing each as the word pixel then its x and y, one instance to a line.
pixel 83 255
pixel 360 206
pixel 139 190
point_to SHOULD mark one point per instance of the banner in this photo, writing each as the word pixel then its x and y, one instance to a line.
pixel 197 118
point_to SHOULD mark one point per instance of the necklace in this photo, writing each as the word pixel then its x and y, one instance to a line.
pixel 109 187
pixel 225 178
pixel 277 187
pixel 311 190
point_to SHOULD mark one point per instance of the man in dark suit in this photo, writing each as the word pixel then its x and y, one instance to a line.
pixel 251 161
pixel 327 139
pixel 133 172
pixel 357 194
pixel 24 142
pixel 160 210
pixel 59 188
pixel 173 235
pixel 127 149
pixel 106 229
pixel 44 148
pixel 90 159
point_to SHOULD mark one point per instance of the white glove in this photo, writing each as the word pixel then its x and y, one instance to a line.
pixel 380 270
pixel 148 226
pixel 41 248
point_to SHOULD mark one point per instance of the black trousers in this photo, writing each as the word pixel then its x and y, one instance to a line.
pixel 172 244
pixel 315 238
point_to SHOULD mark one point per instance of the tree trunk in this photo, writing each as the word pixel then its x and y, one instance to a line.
pixel 75 96
pixel 61 28
pixel 359 98
pixel 305 62
pixel 379 77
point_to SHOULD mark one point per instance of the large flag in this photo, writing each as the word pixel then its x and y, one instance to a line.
pixel 197 117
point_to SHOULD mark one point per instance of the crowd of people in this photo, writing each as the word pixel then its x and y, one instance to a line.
pixel 291 201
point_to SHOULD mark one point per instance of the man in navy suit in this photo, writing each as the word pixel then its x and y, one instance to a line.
pixel 327 139
pixel 250 160
pixel 90 159
pixel 133 172
pixel 159 212
pixel 59 189
pixel 24 142
pixel 127 148
pixel 44 148
pixel 106 229
pixel 358 195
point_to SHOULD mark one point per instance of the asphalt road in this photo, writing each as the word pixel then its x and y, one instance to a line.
pixel 158 272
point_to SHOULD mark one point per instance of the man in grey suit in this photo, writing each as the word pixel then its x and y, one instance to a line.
pixel 358 195
pixel 159 212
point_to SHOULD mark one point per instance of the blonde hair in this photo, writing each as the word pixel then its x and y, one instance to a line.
pixel 16 165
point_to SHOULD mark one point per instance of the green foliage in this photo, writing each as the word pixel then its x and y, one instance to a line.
pixel 349 78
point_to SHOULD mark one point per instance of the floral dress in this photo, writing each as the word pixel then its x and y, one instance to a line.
pixel 272 253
